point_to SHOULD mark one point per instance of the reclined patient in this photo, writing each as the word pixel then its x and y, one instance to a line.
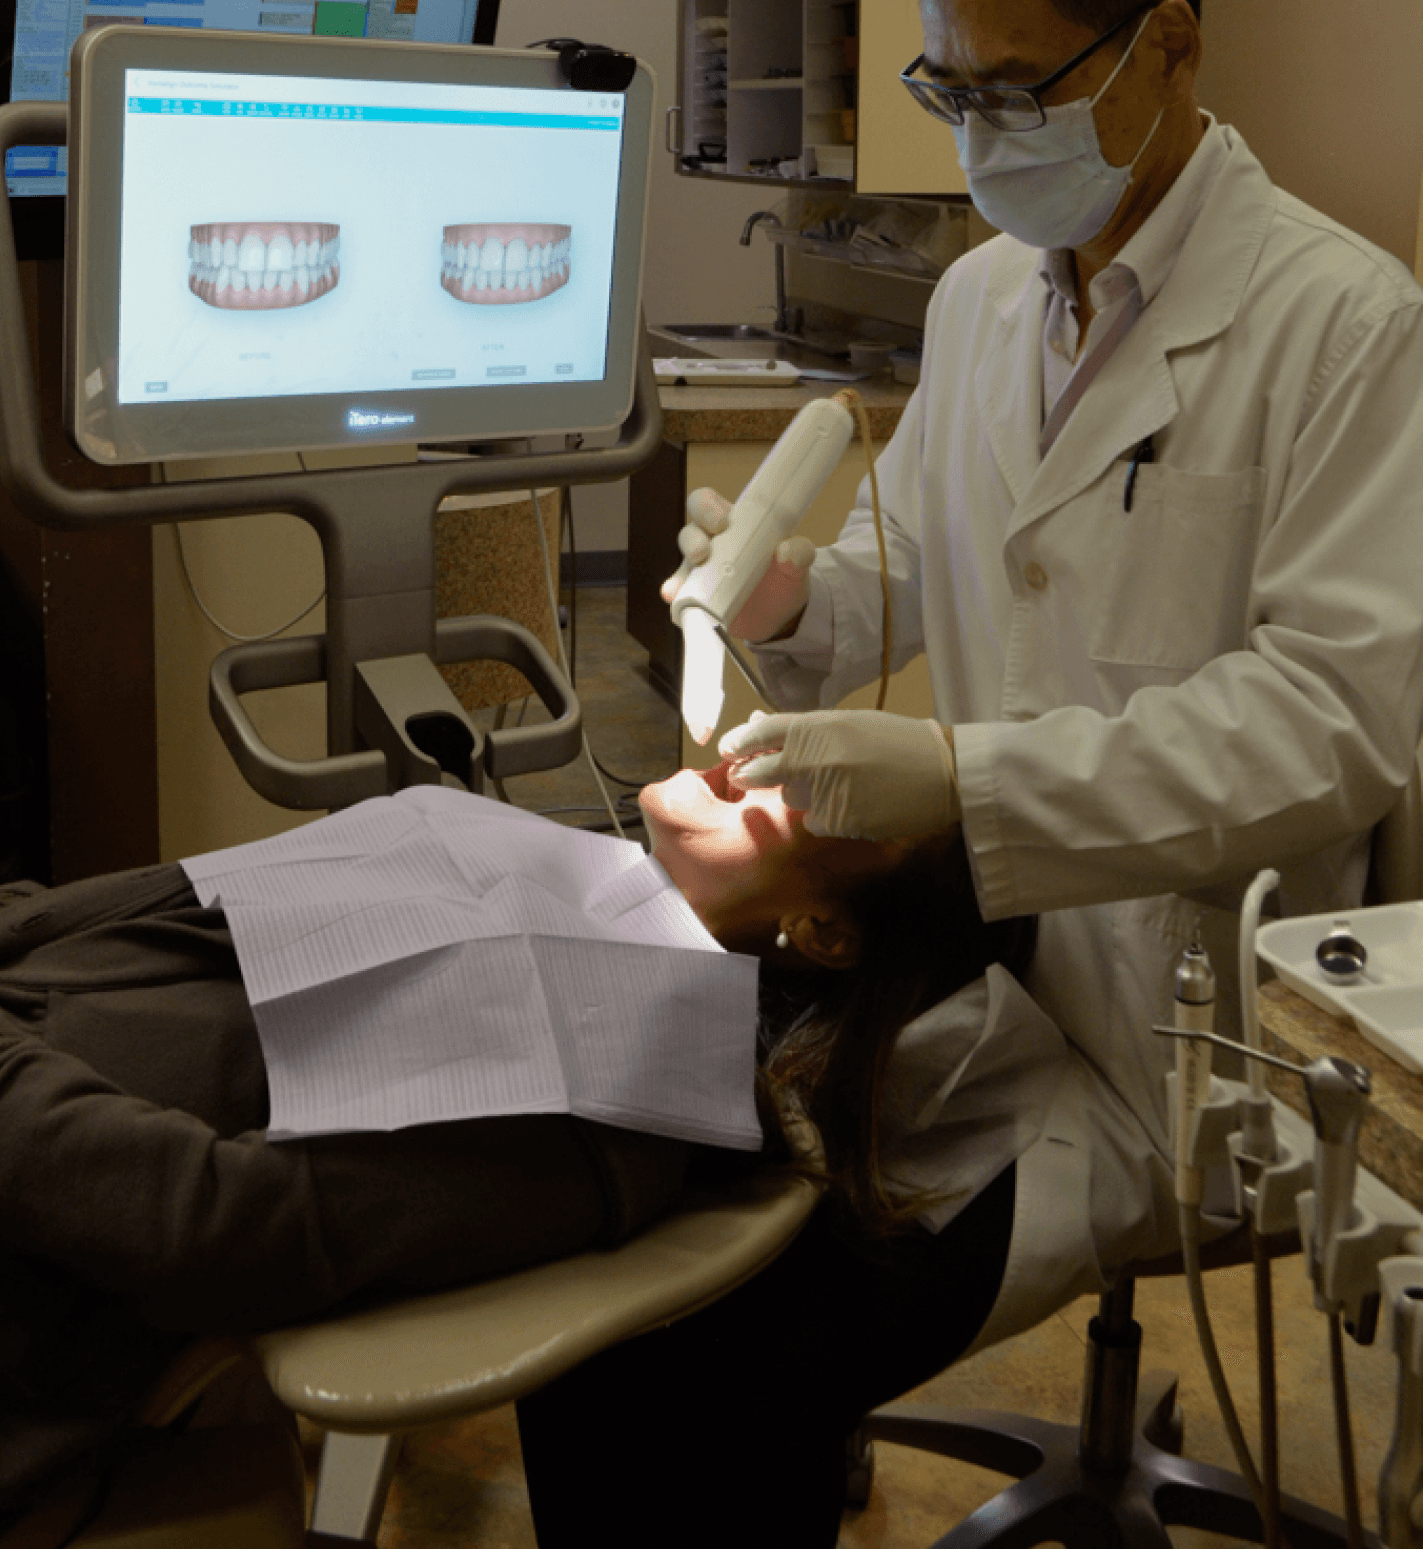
pixel 141 1202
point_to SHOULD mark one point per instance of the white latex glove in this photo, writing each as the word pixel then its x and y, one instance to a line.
pixel 784 590
pixel 856 774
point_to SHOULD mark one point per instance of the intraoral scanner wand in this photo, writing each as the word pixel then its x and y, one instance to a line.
pixel 769 510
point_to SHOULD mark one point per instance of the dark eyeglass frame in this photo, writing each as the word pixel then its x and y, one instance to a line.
pixel 951 103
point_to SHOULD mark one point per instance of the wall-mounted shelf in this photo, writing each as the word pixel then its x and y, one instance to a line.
pixel 844 99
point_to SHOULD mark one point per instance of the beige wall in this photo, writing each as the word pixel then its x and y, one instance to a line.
pixel 1329 94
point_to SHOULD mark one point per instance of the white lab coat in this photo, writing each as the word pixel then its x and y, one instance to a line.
pixel 1158 703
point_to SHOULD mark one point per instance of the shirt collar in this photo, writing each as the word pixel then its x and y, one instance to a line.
pixel 1149 257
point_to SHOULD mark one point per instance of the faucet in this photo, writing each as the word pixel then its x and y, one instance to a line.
pixel 782 324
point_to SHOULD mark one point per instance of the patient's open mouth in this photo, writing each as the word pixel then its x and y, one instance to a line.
pixel 718 780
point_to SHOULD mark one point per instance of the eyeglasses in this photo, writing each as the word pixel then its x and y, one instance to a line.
pixel 1013 108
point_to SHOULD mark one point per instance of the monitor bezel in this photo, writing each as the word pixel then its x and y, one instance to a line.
pixel 38 219
pixel 109 432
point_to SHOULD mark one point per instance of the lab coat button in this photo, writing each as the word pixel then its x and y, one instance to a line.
pixel 1035 576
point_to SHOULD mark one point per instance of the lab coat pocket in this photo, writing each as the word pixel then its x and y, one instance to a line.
pixel 1179 570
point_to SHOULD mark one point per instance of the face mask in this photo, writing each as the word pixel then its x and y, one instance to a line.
pixel 1051 186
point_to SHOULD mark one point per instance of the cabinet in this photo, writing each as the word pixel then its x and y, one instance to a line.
pixel 806 92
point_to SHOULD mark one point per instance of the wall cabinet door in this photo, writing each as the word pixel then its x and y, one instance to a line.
pixel 900 149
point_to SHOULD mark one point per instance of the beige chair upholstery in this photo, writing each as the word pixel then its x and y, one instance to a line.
pixel 371 1376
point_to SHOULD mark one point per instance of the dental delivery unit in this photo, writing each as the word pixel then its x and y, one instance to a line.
pixel 771 507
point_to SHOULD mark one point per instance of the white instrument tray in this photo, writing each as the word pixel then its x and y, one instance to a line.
pixel 1386 1002
pixel 672 372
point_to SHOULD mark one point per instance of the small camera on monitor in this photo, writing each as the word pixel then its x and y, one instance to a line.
pixel 591 66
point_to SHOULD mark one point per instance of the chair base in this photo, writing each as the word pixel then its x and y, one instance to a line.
pixel 1060 1498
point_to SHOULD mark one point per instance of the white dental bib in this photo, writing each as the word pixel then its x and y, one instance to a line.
pixel 433 956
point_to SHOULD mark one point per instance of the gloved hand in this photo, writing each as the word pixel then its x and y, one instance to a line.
pixel 856 774
pixel 784 590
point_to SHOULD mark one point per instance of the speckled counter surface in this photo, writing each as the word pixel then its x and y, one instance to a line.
pixel 762 413
pixel 488 560
pixel 1391 1146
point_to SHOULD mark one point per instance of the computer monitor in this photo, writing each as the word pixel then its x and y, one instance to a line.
pixel 41 34
pixel 289 243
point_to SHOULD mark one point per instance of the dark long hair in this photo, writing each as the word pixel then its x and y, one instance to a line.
pixel 827 1035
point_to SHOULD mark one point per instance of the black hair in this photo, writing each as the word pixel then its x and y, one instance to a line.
pixel 827 1035
pixel 1099 15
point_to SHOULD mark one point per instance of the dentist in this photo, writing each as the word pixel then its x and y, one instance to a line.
pixel 1155 518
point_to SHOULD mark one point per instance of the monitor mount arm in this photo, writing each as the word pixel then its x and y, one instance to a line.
pixel 391 720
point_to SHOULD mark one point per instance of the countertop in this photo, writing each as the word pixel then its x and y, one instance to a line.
pixel 1391 1146
pixel 762 413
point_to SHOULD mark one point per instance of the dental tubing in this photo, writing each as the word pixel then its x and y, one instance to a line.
pixel 1258 1141
pixel 1195 1013
pixel 711 594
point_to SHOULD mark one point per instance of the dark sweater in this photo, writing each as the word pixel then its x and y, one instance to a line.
pixel 140 1202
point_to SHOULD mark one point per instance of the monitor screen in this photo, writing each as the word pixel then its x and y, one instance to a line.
pixel 44 32
pixel 310 250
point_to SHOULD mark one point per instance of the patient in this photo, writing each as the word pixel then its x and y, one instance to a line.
pixel 140 1202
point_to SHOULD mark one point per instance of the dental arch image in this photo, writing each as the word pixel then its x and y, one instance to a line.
pixel 261 266
pixel 266 265
pixel 503 263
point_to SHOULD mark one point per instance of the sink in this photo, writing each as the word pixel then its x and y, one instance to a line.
pixel 716 331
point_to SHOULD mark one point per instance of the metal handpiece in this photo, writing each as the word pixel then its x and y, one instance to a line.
pixel 1195 1012
pixel 1338 1093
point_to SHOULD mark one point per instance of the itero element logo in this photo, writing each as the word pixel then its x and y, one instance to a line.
pixel 375 419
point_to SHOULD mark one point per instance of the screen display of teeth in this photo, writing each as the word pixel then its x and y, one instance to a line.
pixel 287 235
pixel 45 33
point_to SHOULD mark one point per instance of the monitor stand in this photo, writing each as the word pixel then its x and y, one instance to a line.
pixel 391 718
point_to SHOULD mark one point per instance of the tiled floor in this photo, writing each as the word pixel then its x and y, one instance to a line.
pixel 464 1486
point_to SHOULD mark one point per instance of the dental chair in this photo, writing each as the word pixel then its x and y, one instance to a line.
pixel 369 1378
pixel 1116 1480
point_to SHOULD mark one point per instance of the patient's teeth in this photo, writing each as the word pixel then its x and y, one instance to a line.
pixel 239 281
pixel 299 256
pixel 284 279
pixel 269 280
pixel 491 261
pixel 481 279
pixel 229 252
pixel 252 255
pixel 280 253
pixel 465 255
pixel 303 278
pixel 224 277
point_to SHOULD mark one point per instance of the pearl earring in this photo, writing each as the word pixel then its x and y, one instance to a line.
pixel 783 941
